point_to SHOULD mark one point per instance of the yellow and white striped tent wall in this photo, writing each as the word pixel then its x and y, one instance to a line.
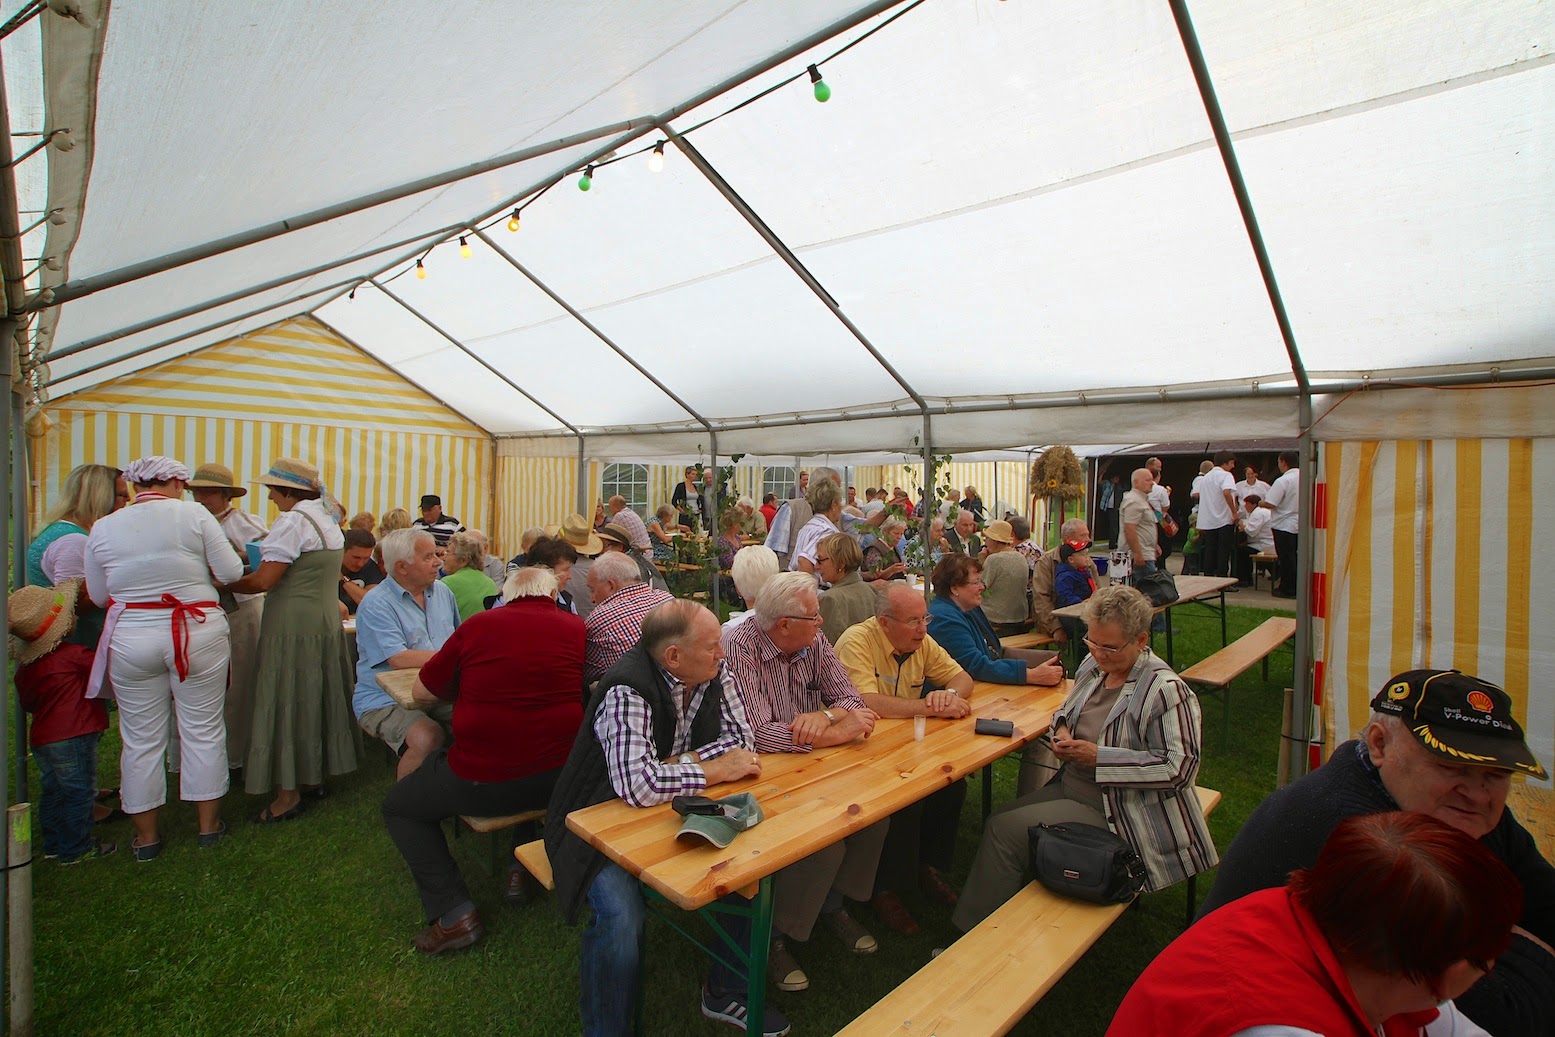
pixel 1430 556
pixel 290 390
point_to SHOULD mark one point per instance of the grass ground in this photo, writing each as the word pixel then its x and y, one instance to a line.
pixel 305 928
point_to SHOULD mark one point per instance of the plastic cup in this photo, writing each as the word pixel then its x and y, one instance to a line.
pixel 920 726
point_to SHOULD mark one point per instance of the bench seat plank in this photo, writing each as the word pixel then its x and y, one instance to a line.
pixel 988 980
pixel 1030 639
pixel 1242 654
pixel 496 824
pixel 532 857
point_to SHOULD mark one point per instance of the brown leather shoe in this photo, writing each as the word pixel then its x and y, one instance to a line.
pixel 934 886
pixel 521 888
pixel 890 910
pixel 437 938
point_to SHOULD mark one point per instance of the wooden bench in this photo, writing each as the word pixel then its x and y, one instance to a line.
pixel 1218 671
pixel 496 828
pixel 1030 639
pixel 533 857
pixel 988 980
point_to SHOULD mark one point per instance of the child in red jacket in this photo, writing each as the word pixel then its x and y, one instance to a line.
pixel 51 681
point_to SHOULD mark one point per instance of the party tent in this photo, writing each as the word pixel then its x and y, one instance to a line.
pixel 810 227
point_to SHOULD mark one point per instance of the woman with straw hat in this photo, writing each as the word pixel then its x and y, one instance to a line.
pixel 302 726
pixel 214 489
pixel 58 552
pixel 164 641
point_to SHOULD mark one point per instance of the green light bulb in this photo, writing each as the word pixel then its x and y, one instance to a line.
pixel 822 91
pixel 585 182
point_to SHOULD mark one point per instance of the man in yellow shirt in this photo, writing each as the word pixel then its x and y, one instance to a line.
pixel 888 658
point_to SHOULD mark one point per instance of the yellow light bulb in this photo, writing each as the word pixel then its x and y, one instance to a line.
pixel 464 249
pixel 513 222
pixel 421 271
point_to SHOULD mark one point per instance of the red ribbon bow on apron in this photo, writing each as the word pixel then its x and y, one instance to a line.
pixel 182 613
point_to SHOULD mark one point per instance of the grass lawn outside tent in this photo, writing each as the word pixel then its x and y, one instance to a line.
pixel 304 928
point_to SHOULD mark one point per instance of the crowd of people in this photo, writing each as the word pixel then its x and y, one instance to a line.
pixel 569 676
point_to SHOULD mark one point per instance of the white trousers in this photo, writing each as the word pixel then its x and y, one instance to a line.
pixel 146 684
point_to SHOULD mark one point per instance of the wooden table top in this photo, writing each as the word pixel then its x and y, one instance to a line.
pixel 811 800
pixel 1030 639
pixel 398 684
pixel 1189 588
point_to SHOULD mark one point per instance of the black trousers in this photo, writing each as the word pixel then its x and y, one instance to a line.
pixel 924 833
pixel 416 806
pixel 1285 547
pixel 1215 547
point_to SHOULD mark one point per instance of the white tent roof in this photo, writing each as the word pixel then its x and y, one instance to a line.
pixel 1006 201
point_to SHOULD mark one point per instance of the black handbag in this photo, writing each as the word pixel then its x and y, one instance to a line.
pixel 1085 862
pixel 1158 586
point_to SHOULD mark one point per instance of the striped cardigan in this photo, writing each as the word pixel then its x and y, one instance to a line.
pixel 1146 764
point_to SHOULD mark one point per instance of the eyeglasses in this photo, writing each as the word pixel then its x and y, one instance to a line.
pixel 805 619
pixel 1104 649
pixel 919 621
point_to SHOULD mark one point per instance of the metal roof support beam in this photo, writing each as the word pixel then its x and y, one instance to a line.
pixel 639 126
pixel 467 351
pixel 135 271
pixel 595 331
pixel 143 350
pixel 1304 643
pixel 243 293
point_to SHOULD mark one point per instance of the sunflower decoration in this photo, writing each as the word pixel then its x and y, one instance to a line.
pixel 1057 473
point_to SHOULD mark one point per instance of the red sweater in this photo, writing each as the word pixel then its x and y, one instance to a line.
pixel 53 690
pixel 515 676
pixel 1259 961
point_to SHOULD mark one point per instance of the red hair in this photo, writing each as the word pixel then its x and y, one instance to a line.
pixel 1407 895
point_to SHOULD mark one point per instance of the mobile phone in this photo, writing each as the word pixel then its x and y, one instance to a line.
pixel 684 805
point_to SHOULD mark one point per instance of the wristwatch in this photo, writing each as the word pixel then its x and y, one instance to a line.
pixel 829 715
pixel 685 758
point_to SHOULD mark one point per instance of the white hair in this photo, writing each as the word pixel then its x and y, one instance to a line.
pixel 1071 528
pixel 780 597
pixel 753 567
pixel 400 546
pixel 537 581
pixel 745 502
pixel 893 522
pixel 617 568
pixel 962 513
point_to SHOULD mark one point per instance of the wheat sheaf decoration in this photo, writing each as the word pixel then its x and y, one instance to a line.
pixel 1057 473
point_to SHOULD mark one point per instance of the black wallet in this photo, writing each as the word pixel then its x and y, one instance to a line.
pixel 1001 728
pixel 684 805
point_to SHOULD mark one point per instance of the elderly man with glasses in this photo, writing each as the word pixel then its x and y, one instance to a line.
pixel 889 658
pixel 798 697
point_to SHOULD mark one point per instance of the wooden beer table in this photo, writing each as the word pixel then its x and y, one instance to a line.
pixel 1190 590
pixel 810 801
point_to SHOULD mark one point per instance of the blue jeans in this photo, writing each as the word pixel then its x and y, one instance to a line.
pixel 612 947
pixel 67 771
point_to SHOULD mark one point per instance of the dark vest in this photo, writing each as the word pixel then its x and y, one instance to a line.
pixel 585 780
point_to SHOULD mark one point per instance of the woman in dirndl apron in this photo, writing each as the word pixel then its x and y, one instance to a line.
pixel 302 726
pixel 164 641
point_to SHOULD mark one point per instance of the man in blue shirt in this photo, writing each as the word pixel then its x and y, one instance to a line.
pixel 400 624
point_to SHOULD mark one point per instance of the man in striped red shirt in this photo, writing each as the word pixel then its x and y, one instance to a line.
pixel 621 600
pixel 798 697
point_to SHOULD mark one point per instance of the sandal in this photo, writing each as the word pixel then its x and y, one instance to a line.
pixel 267 818
pixel 208 839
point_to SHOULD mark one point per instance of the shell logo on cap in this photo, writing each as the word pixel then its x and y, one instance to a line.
pixel 1399 691
pixel 1480 701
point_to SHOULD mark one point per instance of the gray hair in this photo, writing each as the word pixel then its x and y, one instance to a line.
pixel 668 624
pixel 617 568
pixel 893 522
pixel 399 545
pixel 532 581
pixel 780 597
pixel 1071 528
pixel 468 549
pixel 1121 605
pixel 745 502
pixel 753 567
pixel 823 495
pixel 962 513
pixel 884 595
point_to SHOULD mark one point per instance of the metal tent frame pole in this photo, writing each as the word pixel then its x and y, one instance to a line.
pixel 1303 705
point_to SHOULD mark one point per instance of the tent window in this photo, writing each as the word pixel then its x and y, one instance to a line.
pixel 778 480
pixel 631 482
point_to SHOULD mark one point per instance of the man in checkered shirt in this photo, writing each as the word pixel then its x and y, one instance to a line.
pixel 798 697
pixel 621 600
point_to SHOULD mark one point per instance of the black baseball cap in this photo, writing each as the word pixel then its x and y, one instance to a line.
pixel 1460 718
pixel 431 500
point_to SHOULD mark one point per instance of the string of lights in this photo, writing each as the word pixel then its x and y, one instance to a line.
pixel 820 89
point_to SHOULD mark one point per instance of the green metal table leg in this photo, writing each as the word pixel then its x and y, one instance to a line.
pixel 1171 648
pixel 1223 639
pixel 756 975
pixel 988 791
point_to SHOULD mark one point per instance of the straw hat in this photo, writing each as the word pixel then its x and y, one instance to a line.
pixel 616 534
pixel 289 473
pixel 579 534
pixel 999 531
pixel 40 617
pixel 216 477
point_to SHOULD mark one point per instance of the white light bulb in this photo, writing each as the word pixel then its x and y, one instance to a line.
pixel 656 158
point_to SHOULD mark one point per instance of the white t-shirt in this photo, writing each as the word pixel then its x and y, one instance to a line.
pixel 1242 489
pixel 1160 498
pixel 1198 481
pixel 1260 535
pixel 64 559
pixel 158 546
pixel 1285 500
pixel 810 535
pixel 1214 512
pixel 292 534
